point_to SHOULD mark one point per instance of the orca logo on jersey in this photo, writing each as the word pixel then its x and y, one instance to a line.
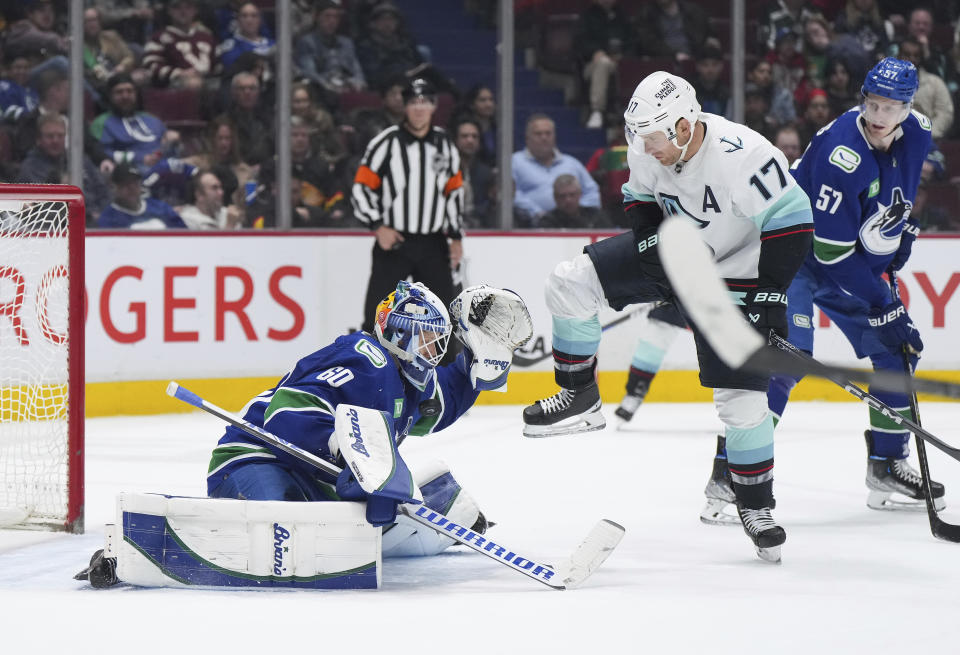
pixel 357 444
pixel 880 234
pixel 280 535
pixel 733 146
pixel 672 207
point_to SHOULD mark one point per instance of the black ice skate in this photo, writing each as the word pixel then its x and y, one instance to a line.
pixel 721 500
pixel 102 571
pixel 888 476
pixel 766 535
pixel 637 388
pixel 569 411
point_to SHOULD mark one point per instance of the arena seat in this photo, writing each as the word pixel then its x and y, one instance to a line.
pixel 177 108
pixel 557 51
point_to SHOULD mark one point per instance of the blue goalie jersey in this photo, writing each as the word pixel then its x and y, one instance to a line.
pixel 354 369
pixel 861 199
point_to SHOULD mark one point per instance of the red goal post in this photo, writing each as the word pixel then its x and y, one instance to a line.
pixel 42 356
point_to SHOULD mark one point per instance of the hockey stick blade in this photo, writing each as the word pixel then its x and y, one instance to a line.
pixel 572 572
pixel 706 300
pixel 590 554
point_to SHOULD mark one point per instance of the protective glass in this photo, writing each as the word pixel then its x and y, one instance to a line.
pixel 641 142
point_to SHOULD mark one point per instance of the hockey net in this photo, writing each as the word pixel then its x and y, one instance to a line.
pixel 41 357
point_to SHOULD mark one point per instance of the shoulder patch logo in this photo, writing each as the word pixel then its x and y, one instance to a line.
pixel 733 146
pixel 874 188
pixel 845 159
pixel 925 122
pixel 371 352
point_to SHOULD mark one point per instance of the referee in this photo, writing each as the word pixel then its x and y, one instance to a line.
pixel 409 190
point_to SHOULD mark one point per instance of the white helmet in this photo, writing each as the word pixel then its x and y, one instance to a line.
pixel 658 102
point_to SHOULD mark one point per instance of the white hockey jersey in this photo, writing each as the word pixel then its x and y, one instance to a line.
pixel 736 187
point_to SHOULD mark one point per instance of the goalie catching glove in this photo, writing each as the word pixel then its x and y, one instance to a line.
pixel 374 470
pixel 491 323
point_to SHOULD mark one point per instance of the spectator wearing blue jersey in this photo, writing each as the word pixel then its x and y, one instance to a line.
pixel 539 164
pixel 127 134
pixel 861 174
pixel 130 209
pixel 16 97
pixel 248 36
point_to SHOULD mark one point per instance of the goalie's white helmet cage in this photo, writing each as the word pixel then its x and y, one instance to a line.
pixel 657 104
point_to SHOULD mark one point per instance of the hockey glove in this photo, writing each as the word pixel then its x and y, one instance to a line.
pixel 649 260
pixel 911 231
pixel 894 327
pixel 491 323
pixel 766 309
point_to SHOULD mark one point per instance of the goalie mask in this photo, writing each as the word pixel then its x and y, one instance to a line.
pixel 413 324
pixel 657 105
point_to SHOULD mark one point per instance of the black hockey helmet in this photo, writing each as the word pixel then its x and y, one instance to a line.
pixel 419 88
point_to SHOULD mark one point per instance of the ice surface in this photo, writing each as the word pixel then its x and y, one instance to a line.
pixel 852 580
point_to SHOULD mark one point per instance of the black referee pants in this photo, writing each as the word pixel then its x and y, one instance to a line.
pixel 425 257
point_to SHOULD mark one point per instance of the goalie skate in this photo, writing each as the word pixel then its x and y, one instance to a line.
pixel 766 535
pixel 569 411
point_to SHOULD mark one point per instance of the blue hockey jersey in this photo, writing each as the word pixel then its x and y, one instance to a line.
pixel 354 369
pixel 861 199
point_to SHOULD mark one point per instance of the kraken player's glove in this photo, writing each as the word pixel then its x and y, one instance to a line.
pixel 766 309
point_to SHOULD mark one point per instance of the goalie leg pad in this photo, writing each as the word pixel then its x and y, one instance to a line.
pixel 441 492
pixel 216 542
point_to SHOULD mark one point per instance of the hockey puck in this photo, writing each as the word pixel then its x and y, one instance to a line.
pixel 430 407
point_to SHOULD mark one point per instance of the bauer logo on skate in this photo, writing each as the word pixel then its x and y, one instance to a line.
pixel 280 535
pixel 357 444
pixel 539 570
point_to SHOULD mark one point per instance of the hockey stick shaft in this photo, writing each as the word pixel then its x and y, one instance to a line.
pixel 705 299
pixel 421 514
pixel 940 528
pixel 821 370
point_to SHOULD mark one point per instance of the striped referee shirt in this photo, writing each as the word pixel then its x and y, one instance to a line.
pixel 412 185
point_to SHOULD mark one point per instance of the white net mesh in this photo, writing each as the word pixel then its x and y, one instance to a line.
pixel 34 315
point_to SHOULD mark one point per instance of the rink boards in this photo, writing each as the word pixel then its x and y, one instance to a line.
pixel 230 313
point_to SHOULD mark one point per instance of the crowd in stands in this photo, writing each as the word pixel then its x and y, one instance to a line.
pixel 805 61
pixel 180 99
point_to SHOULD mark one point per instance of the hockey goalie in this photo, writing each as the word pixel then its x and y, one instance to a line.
pixel 268 520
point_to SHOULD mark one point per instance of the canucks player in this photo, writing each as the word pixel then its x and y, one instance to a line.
pixel 392 373
pixel 389 384
pixel 733 184
pixel 862 172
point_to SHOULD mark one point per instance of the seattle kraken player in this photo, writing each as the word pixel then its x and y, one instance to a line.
pixel 861 173
pixel 734 185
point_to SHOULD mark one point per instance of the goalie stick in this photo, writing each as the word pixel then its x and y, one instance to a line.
pixel 706 300
pixel 940 528
pixel 568 574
